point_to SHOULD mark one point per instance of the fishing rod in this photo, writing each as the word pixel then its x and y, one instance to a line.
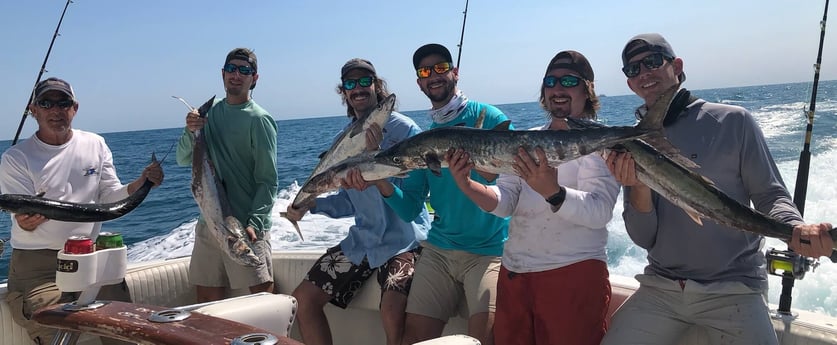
pixel 462 35
pixel 801 189
pixel 792 265
pixel 40 73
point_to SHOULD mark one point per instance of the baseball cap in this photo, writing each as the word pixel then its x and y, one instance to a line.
pixel 243 54
pixel 53 84
pixel 357 63
pixel 577 63
pixel 650 42
pixel 430 49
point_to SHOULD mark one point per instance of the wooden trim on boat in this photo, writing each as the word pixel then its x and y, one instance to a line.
pixel 130 322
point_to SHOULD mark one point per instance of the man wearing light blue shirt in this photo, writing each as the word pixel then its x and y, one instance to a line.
pixel 379 239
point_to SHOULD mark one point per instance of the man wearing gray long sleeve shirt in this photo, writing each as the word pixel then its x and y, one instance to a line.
pixel 709 275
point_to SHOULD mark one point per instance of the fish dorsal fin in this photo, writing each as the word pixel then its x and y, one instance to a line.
pixel 503 126
pixel 480 119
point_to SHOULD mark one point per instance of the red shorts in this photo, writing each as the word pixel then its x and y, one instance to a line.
pixel 567 305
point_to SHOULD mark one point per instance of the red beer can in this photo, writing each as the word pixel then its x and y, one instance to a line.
pixel 79 245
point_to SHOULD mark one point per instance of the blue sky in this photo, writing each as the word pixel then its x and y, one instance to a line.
pixel 126 59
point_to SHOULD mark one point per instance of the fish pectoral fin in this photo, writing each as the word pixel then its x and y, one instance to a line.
pixel 434 164
pixel 294 223
pixel 695 217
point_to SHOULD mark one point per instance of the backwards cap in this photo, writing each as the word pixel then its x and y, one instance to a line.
pixel 577 63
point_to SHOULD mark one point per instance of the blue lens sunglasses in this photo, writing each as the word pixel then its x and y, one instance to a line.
pixel 350 84
pixel 567 80
pixel 244 70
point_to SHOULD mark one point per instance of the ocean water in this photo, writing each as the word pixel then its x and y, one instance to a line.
pixel 162 226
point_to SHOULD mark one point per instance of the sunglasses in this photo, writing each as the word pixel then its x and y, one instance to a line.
pixel 651 62
pixel 63 104
pixel 565 81
pixel 350 84
pixel 440 68
pixel 244 70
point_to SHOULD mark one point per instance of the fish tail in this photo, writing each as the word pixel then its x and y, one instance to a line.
pixel 653 119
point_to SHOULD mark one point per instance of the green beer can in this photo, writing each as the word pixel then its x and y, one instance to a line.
pixel 107 240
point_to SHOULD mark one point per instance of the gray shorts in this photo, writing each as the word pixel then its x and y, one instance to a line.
pixel 211 267
pixel 661 311
pixel 444 278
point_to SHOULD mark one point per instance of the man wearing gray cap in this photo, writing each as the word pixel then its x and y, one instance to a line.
pixel 55 157
pixel 379 239
pixel 708 275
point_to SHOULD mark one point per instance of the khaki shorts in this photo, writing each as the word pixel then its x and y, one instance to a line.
pixel 211 267
pixel 32 286
pixel 444 278
pixel 662 310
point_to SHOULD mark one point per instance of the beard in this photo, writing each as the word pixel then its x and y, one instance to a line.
pixel 446 92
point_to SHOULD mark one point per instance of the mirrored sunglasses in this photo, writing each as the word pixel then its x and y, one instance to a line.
pixel 565 81
pixel 244 70
pixel 651 62
pixel 63 104
pixel 350 84
pixel 440 68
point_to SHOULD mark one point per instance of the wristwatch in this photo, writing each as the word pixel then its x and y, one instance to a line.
pixel 557 199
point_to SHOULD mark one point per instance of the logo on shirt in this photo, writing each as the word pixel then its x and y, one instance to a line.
pixel 90 171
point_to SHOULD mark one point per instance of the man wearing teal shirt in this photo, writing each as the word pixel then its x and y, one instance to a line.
pixel 241 140
pixel 461 257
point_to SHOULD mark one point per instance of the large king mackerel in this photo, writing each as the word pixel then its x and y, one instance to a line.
pixel 350 143
pixel 669 175
pixel 211 198
pixel 74 212
pixel 493 150
pixel 699 197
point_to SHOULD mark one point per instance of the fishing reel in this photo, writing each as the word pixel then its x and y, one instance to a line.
pixel 785 263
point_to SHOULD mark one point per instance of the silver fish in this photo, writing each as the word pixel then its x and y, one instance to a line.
pixel 699 197
pixel 212 200
pixel 74 212
pixel 329 180
pixel 493 150
pixel 350 143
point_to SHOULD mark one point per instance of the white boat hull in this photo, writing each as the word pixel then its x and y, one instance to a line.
pixel 166 283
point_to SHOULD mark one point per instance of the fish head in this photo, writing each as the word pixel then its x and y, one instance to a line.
pixel 387 104
pixel 396 159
